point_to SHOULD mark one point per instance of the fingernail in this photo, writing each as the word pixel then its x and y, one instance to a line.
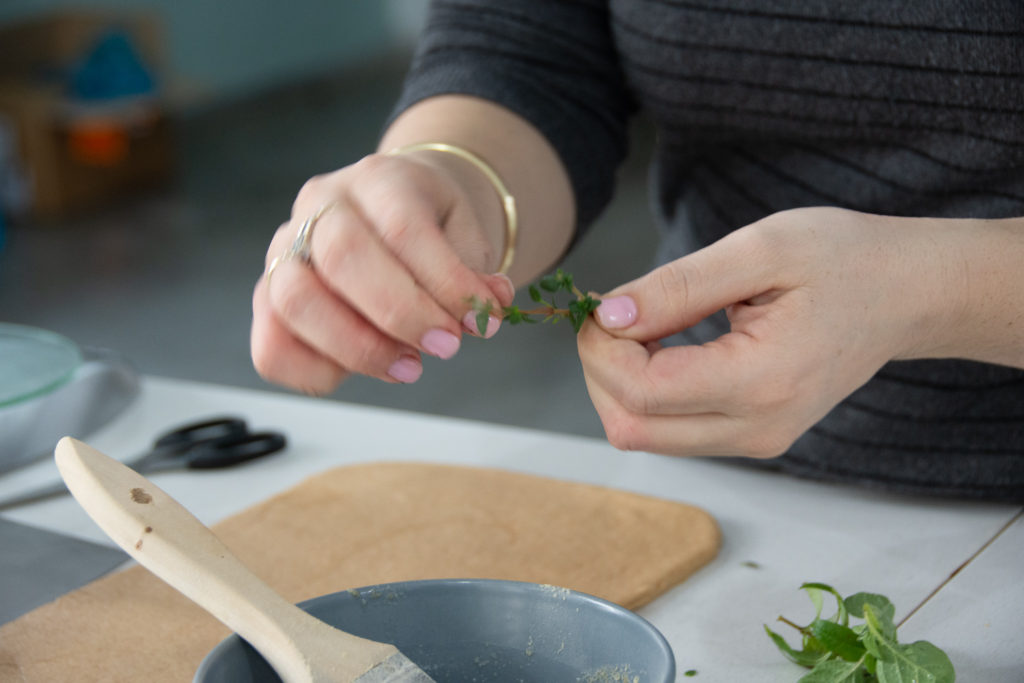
pixel 406 369
pixel 469 322
pixel 506 282
pixel 440 343
pixel 617 311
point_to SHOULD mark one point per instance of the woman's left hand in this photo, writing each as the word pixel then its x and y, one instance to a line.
pixel 818 299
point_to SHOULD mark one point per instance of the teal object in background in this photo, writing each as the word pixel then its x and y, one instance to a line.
pixel 113 68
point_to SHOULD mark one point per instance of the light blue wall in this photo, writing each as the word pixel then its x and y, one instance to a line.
pixel 228 48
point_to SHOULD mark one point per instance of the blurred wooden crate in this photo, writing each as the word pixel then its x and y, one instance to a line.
pixel 81 155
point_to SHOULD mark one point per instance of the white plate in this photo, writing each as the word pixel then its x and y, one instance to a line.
pixel 50 388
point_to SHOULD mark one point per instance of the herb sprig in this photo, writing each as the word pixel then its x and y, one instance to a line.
pixel 575 310
pixel 837 652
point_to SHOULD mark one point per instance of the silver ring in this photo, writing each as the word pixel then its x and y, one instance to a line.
pixel 301 247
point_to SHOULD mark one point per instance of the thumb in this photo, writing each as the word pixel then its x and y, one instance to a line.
pixel 502 287
pixel 684 292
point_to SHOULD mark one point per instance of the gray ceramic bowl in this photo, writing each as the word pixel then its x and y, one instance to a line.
pixel 460 631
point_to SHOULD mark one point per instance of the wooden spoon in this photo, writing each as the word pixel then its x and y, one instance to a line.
pixel 168 540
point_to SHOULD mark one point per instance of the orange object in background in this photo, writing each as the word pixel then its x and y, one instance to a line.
pixel 98 143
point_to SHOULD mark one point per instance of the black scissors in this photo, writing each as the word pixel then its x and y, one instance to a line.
pixel 210 444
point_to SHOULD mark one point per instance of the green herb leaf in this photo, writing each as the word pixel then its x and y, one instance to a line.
pixel 881 605
pixel 577 310
pixel 550 283
pixel 920 661
pixel 578 313
pixel 589 303
pixel 870 663
pixel 482 311
pixel 839 639
pixel 564 280
pixel 835 671
pixel 482 318
pixel 839 653
pixel 513 315
pixel 805 657
pixel 813 589
pixel 880 618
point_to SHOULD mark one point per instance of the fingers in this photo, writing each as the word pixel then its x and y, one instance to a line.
pixel 805 293
pixel 393 218
pixel 676 380
pixel 355 266
pixel 335 330
pixel 382 283
pixel 502 286
pixel 683 292
pixel 419 229
pixel 280 357
pixel 704 434
pixel 713 399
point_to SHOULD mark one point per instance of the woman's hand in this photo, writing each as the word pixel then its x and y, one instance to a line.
pixel 818 300
pixel 394 259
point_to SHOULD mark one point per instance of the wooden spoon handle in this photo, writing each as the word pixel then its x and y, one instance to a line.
pixel 168 540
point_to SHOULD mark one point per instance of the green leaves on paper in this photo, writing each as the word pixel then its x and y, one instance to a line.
pixel 544 293
pixel 837 652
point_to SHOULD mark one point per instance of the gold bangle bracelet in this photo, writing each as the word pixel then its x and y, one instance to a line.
pixel 508 202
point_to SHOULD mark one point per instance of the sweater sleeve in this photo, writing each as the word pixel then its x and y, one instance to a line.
pixel 552 62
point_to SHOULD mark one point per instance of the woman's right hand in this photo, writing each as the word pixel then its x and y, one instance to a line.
pixel 397 255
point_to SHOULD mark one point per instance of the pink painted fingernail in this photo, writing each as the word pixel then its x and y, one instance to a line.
pixel 469 322
pixel 616 312
pixel 406 369
pixel 440 343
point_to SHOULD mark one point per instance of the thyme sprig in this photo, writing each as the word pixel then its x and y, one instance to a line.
pixel 545 293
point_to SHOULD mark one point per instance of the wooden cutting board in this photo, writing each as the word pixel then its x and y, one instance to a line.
pixel 362 525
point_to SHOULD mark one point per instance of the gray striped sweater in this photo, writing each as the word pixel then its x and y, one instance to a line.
pixel 898 108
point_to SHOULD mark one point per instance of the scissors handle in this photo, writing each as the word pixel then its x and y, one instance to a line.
pixel 217 428
pixel 231 450
pixel 221 442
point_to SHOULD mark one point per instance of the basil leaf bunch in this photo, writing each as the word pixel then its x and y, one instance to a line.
pixel 837 652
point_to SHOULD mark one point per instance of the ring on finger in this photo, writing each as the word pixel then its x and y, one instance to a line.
pixel 301 247
pixel 274 262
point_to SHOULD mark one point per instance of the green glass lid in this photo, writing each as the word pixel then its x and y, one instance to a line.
pixel 33 362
